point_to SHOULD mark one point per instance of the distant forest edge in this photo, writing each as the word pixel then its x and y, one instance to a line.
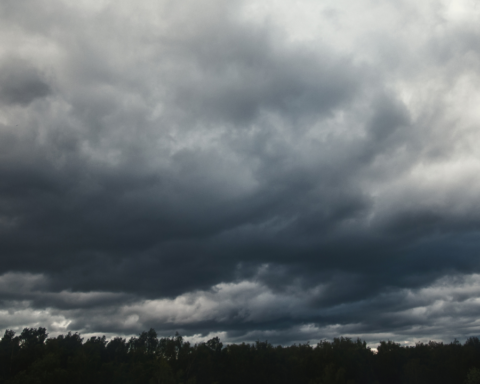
pixel 33 358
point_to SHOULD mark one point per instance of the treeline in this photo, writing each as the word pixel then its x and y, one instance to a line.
pixel 33 358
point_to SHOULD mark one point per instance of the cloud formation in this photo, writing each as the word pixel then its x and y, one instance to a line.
pixel 295 171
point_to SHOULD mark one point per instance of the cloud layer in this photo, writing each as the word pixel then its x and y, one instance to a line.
pixel 291 170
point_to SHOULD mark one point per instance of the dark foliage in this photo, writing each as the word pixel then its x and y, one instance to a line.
pixel 32 358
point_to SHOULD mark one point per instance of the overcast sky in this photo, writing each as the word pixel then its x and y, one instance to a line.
pixel 281 170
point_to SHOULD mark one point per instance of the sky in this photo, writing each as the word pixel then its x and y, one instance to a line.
pixel 287 171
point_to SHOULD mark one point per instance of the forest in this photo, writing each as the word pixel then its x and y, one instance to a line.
pixel 34 358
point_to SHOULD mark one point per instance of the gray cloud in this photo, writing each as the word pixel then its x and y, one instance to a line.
pixel 21 83
pixel 227 168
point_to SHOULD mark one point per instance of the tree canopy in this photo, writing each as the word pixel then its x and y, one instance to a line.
pixel 34 358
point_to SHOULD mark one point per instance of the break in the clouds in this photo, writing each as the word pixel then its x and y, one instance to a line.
pixel 290 171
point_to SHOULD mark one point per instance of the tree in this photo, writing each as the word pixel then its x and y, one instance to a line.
pixel 473 376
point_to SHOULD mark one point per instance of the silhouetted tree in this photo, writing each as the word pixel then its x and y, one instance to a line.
pixel 31 357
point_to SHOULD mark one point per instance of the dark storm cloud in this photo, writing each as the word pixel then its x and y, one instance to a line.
pixel 192 169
